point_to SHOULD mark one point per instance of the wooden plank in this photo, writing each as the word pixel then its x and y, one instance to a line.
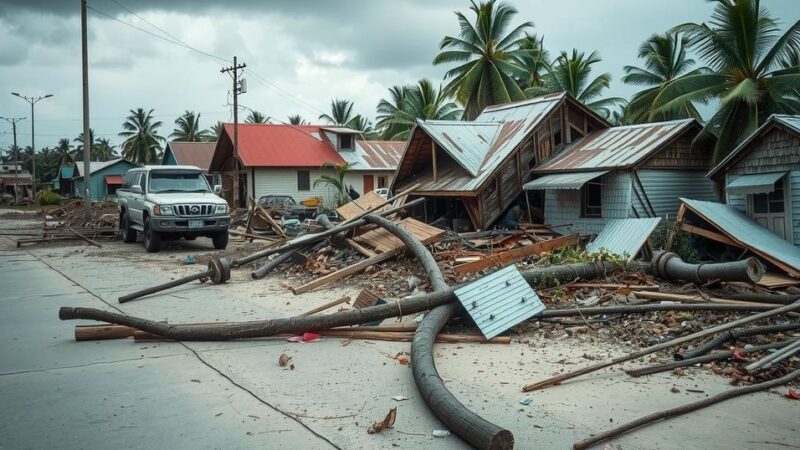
pixel 383 241
pixel 509 256
pixel 405 192
pixel 665 296
pixel 347 271
pixel 708 234
pixel 678 222
pixel 278 229
pixel 366 202
pixel 775 280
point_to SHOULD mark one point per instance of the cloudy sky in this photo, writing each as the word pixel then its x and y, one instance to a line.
pixel 299 53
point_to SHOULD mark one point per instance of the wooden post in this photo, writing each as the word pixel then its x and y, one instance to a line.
pixel 672 231
pixel 433 158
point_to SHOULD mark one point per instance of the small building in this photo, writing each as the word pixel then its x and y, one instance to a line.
pixel 472 171
pixel 198 154
pixel 288 159
pixel 761 176
pixel 105 177
pixel 632 171
pixel 15 177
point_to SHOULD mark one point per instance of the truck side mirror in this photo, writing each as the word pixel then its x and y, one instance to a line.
pixel 136 189
pixel 217 189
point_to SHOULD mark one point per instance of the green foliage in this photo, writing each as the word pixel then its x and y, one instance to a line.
pixel 297 119
pixel 142 143
pixel 407 104
pixel 336 181
pixel 573 254
pixel 681 243
pixel 49 197
pixel 256 117
pixel 187 128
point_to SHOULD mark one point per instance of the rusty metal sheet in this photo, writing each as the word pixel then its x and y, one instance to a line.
pixel 499 301
pixel 374 155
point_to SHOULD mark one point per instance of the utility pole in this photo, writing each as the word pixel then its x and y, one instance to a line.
pixel 87 138
pixel 32 101
pixel 13 121
pixel 234 71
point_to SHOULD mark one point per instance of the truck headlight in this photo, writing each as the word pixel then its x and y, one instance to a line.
pixel 221 209
pixel 163 210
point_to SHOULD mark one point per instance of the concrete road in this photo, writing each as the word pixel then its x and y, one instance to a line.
pixel 55 392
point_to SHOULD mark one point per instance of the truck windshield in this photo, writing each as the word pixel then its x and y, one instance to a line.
pixel 177 182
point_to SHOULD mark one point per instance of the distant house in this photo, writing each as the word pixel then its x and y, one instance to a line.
pixel 104 177
pixel 761 176
pixel 631 171
pixel 13 176
pixel 287 159
pixel 198 154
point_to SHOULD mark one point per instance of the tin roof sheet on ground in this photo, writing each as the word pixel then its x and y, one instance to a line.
pixel 790 122
pixel 744 230
pixel 617 147
pixel 624 237
pixel 563 180
pixel 761 183
pixel 499 301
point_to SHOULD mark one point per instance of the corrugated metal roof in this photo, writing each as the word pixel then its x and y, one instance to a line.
pixel 192 153
pixel 94 166
pixel 499 301
pixel 617 147
pixel 340 130
pixel 792 122
pixel 761 183
pixel 563 180
pixel 746 231
pixel 465 142
pixel 375 155
pixel 624 236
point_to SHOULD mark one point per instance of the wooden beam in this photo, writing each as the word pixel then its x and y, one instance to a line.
pixel 433 158
pixel 708 234
pixel 377 207
pixel 509 256
pixel 678 222
pixel 665 296
pixel 347 271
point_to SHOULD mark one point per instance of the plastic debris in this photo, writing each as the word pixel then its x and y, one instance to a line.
pixel 793 395
pixel 189 260
pixel 400 398
pixel 526 401
pixel 440 433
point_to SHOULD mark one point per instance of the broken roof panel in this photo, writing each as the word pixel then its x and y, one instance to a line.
pixel 617 147
pixel 563 180
pixel 499 301
pixel 465 142
pixel 624 237
pixel 762 183
pixel 374 155
pixel 747 233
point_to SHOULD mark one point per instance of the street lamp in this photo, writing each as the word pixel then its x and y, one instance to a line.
pixel 32 101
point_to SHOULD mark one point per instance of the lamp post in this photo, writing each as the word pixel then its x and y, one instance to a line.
pixel 32 101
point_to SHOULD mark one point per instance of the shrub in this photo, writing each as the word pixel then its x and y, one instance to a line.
pixel 49 197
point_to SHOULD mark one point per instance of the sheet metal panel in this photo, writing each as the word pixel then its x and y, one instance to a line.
pixel 762 183
pixel 499 301
pixel 374 155
pixel 745 230
pixel 624 236
pixel 466 142
pixel 617 147
pixel 563 180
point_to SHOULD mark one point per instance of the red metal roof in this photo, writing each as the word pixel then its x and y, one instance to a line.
pixel 271 145
pixel 193 153
pixel 113 179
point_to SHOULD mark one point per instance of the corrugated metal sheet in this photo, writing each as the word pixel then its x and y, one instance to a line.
pixel 617 147
pixel 794 208
pixel 499 301
pixel 374 155
pixel 563 180
pixel 95 166
pixel 664 188
pixel 624 236
pixel 746 231
pixel 465 142
pixel 762 183
pixel 791 122
pixel 564 206
pixel 341 130
pixel 197 154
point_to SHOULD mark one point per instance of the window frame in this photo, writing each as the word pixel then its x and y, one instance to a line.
pixel 351 139
pixel 770 199
pixel 307 181
pixel 382 181
pixel 585 206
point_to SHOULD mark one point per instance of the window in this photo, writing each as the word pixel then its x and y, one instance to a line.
pixel 303 180
pixel 557 138
pixel 111 189
pixel 574 134
pixel 592 199
pixel 769 203
pixel 382 182
pixel 345 142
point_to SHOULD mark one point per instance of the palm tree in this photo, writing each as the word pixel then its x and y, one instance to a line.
pixel 64 151
pixel 79 140
pixel 664 60
pixel 296 119
pixel 341 113
pixel 488 55
pixel 142 143
pixel 255 117
pixel 571 73
pixel 533 59
pixel 103 150
pixel 215 131
pixel 336 181
pixel 743 47
pixel 396 117
pixel 47 164
pixel 187 128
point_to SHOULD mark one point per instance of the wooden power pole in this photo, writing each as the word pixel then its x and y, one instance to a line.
pixel 13 121
pixel 234 71
pixel 87 138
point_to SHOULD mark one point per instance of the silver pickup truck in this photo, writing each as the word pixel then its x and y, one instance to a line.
pixel 170 202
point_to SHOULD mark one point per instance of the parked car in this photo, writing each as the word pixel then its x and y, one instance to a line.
pixel 170 202
pixel 383 192
pixel 283 206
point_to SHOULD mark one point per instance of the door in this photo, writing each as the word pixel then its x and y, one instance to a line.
pixel 369 183
pixel 769 210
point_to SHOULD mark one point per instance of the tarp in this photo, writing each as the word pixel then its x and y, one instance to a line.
pixel 761 183
pixel 624 237
pixel 114 179
pixel 563 180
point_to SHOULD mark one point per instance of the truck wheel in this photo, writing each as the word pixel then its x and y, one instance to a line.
pixel 220 240
pixel 128 233
pixel 152 240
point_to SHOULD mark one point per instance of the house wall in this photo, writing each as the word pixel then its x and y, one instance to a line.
pixel 98 180
pixel 663 189
pixel 792 194
pixel 356 179
pixel 563 206
pixel 284 181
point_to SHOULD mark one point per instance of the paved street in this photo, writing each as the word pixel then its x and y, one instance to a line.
pixel 55 392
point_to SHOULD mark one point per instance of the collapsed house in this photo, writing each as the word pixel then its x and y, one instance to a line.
pixel 632 171
pixel 288 159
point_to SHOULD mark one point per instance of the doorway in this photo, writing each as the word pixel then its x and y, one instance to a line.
pixel 369 183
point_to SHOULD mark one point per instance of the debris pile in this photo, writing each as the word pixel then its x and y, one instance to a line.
pixel 68 223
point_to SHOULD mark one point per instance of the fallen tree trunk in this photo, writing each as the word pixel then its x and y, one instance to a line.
pixel 732 335
pixel 733 393
pixel 471 427
pixel 394 336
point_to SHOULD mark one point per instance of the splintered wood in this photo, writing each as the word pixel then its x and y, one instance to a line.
pixel 383 241
pixel 362 204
